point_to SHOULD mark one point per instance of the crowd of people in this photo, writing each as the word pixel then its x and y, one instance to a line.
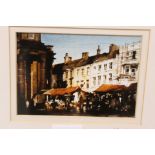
pixel 118 103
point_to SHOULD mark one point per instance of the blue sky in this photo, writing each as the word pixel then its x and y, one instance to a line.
pixel 76 44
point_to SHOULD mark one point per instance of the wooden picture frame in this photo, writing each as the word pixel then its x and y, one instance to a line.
pixel 80 121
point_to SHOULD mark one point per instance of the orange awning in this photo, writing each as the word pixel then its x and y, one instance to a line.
pixel 61 91
pixel 110 87
pixel 71 89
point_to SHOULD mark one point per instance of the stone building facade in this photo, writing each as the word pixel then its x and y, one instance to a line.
pixel 129 59
pixel 34 61
pixel 118 66
pixel 103 69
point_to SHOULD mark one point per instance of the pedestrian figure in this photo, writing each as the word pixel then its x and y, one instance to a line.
pixel 27 104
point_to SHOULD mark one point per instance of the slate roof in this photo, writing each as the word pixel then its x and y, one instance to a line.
pixel 57 68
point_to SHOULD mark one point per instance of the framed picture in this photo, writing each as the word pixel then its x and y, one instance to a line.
pixel 78 75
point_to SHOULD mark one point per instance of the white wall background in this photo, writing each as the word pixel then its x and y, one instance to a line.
pixel 148 120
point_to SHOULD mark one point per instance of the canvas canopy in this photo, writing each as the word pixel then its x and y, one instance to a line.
pixel 110 87
pixel 62 91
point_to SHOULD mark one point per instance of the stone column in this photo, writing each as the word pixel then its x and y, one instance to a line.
pixel 21 86
pixel 34 78
pixel 42 73
pixel 28 80
pixel 38 76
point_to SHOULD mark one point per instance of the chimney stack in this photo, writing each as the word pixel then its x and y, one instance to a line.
pixel 67 58
pixel 98 50
pixel 85 55
pixel 113 47
pixel 70 59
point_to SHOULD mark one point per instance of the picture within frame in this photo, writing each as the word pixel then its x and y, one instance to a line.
pixel 77 74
